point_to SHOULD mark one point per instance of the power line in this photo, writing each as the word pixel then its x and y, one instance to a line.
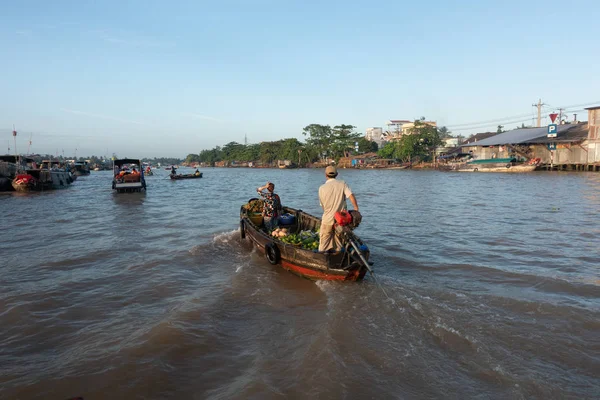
pixel 511 119
pixel 488 121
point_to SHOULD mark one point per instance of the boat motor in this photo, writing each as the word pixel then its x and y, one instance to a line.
pixel 347 220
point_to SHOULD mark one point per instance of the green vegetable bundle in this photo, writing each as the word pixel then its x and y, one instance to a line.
pixel 305 239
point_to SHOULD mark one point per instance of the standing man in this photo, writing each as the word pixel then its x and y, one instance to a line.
pixel 332 197
pixel 272 207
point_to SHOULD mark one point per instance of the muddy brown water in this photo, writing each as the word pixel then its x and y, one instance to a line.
pixel 494 285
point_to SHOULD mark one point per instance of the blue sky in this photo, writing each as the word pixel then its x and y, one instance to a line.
pixel 158 78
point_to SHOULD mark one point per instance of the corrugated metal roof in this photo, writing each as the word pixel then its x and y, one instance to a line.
pixel 518 136
pixel 478 137
pixel 578 133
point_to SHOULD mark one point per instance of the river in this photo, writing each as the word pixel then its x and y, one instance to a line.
pixel 493 284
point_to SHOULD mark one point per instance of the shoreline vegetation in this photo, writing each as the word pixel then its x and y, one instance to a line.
pixel 340 145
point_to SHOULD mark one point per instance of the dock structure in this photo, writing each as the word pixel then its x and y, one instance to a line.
pixel 576 146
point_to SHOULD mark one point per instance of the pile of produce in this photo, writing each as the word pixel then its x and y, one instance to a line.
pixel 279 232
pixel 306 239
pixel 254 206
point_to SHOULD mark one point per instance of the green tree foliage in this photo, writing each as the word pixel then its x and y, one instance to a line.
pixel 343 139
pixel 444 132
pixel 192 158
pixel 319 138
pixel 500 130
pixel 420 142
pixel 367 146
pixel 161 160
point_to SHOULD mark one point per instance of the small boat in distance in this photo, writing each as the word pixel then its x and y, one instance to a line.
pixel 301 258
pixel 185 176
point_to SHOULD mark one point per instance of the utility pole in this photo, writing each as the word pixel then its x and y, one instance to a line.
pixel 560 110
pixel 574 117
pixel 539 109
pixel 14 133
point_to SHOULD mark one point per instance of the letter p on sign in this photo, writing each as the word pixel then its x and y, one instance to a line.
pixel 552 130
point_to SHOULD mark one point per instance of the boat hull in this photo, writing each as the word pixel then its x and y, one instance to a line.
pixel 503 168
pixel 340 266
pixel 39 180
pixel 5 184
pixel 186 176
pixel 507 165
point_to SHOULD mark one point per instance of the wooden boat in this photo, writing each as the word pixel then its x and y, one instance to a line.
pixel 186 176
pixel 80 168
pixel 51 175
pixel 492 165
pixel 9 165
pixel 345 265
pixel 396 167
pixel 126 181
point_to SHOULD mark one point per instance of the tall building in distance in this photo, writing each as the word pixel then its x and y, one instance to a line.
pixel 376 135
pixel 400 127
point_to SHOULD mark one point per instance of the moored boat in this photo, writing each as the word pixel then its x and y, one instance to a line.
pixel 492 165
pixel 34 180
pixel 80 168
pixel 185 176
pixel 304 260
pixel 9 165
pixel 51 175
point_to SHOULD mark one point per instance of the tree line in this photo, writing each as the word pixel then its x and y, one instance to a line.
pixel 325 143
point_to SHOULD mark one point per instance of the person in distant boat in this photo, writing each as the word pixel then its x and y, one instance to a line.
pixel 332 197
pixel 272 205
pixel 197 173
pixel 173 170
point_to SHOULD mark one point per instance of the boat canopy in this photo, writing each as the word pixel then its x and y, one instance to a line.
pixel 13 159
pixel 492 160
pixel 123 161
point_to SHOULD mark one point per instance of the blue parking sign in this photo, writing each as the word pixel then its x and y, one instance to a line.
pixel 552 130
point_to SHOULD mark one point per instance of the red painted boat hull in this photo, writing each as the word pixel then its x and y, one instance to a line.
pixel 343 265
